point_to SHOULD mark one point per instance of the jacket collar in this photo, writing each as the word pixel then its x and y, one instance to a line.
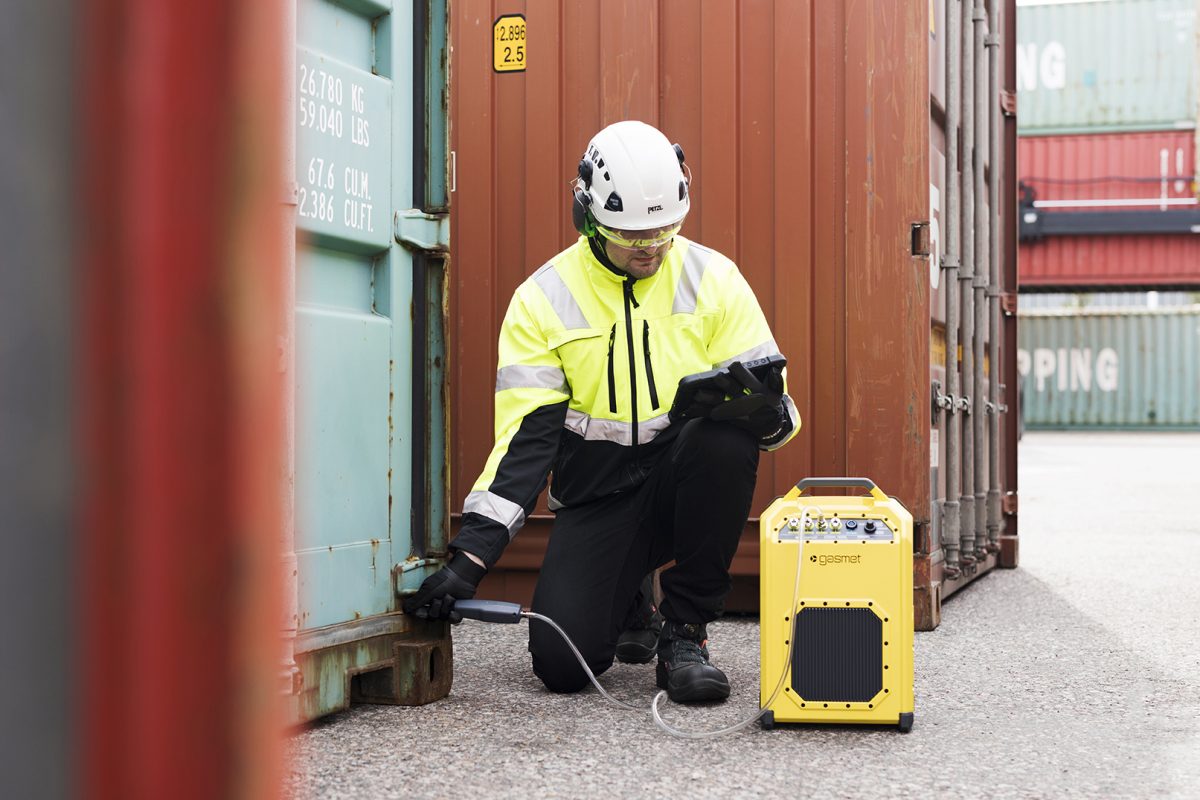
pixel 604 274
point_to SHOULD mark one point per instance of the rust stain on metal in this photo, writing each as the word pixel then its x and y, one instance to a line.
pixel 927 607
pixel 1009 551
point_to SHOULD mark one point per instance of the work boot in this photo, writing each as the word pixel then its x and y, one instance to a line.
pixel 683 666
pixel 639 641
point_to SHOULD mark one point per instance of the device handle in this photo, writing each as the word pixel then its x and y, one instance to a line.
pixel 839 483
pixel 489 610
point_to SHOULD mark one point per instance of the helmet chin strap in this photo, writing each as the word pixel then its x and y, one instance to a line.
pixel 597 245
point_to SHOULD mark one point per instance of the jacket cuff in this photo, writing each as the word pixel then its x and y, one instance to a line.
pixel 789 424
pixel 481 537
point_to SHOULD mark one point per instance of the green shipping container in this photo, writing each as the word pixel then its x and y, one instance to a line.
pixel 1106 65
pixel 1110 368
pixel 372 223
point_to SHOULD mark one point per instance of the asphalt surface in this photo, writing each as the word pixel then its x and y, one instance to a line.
pixel 1076 675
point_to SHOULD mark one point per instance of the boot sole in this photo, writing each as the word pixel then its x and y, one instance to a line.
pixel 634 653
pixel 695 690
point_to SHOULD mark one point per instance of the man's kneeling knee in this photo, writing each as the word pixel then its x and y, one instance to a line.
pixel 557 667
pixel 560 677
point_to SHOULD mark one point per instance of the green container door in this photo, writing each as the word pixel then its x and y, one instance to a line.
pixel 367 491
pixel 1110 368
pixel 1116 65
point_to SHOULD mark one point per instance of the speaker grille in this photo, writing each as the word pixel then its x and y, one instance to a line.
pixel 838 655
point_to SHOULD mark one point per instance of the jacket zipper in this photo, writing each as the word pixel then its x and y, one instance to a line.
pixel 633 414
pixel 612 383
pixel 649 366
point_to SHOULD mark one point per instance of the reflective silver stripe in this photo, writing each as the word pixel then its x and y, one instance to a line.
pixel 593 429
pixel 496 508
pixel 688 289
pixel 793 419
pixel 767 348
pixel 520 376
pixel 560 297
pixel 651 428
pixel 576 421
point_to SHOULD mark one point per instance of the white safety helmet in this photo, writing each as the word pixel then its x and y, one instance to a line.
pixel 630 178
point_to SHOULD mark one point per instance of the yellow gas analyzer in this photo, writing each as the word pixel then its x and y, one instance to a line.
pixel 837 638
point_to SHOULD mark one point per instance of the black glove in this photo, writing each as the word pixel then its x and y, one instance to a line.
pixel 760 412
pixel 455 581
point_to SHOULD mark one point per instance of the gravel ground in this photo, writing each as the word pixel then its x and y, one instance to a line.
pixel 1077 675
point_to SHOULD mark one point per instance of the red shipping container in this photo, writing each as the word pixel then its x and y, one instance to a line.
pixel 815 135
pixel 1103 172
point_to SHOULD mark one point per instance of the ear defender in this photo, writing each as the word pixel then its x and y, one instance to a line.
pixel 683 184
pixel 581 216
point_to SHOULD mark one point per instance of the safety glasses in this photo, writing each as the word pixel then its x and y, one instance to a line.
pixel 620 239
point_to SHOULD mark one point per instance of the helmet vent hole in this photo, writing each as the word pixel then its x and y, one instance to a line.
pixel 682 189
pixel 606 177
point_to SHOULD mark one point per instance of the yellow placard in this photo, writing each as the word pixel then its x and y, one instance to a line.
pixel 508 43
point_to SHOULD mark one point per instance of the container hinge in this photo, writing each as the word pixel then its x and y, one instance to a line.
pixel 1008 103
pixel 920 239
pixel 949 262
pixel 1008 302
pixel 420 231
pixel 941 402
pixel 963 404
pixel 1009 503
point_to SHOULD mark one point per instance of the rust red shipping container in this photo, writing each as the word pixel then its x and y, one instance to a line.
pixel 1152 170
pixel 807 128
pixel 182 409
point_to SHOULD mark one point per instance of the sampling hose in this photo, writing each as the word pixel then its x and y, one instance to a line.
pixel 495 611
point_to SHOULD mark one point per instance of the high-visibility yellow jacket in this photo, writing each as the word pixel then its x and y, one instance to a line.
pixel 588 365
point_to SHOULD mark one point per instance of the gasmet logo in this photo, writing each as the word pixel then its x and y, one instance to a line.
pixel 825 560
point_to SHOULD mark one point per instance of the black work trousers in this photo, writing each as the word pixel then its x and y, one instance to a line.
pixel 691 509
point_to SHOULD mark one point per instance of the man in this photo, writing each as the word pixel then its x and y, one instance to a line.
pixel 591 350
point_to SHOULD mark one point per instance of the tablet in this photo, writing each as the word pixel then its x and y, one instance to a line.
pixel 698 393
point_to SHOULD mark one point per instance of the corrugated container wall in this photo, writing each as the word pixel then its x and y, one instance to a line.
pixel 1113 65
pixel 1111 368
pixel 369 103
pixel 973 470
pixel 178 295
pixel 807 129
pixel 1144 172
